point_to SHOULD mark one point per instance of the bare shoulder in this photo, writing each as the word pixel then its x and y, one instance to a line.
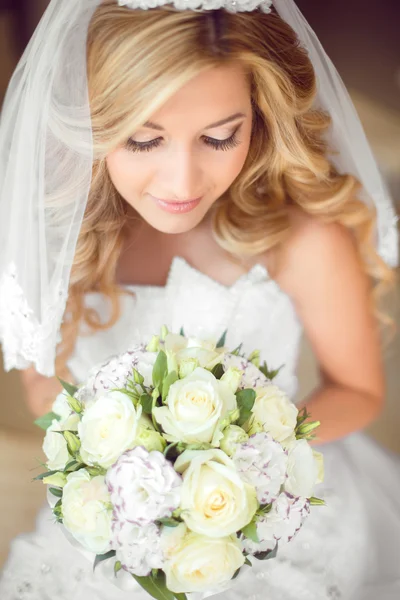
pixel 315 254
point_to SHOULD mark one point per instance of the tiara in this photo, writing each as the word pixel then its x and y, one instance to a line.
pixel 232 6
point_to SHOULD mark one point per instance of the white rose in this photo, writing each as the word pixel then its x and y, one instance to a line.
pixel 275 413
pixel 319 459
pixel 199 563
pixel 262 462
pixel 144 487
pixel 204 351
pixel 215 501
pixel 55 448
pixel 87 511
pixel 138 548
pixel 302 470
pixel 194 407
pixel 61 407
pixel 108 428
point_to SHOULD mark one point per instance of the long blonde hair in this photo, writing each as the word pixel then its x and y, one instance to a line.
pixel 136 61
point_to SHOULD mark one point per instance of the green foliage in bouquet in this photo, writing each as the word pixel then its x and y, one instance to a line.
pixel 147 399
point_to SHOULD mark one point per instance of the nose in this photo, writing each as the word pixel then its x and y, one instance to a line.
pixel 183 175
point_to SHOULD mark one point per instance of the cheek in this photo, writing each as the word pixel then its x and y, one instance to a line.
pixel 232 164
pixel 126 174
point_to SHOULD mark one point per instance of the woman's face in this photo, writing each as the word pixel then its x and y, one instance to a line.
pixel 173 169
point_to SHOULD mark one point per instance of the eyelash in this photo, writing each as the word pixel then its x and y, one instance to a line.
pixel 223 145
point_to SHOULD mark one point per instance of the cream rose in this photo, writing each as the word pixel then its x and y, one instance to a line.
pixel 319 459
pixel 215 501
pixel 204 352
pixel 55 447
pixel 108 428
pixel 87 511
pixel 194 408
pixel 302 470
pixel 196 563
pixel 273 413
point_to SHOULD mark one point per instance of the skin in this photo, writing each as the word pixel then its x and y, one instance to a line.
pixel 318 265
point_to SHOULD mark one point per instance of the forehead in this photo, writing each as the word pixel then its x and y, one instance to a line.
pixel 209 97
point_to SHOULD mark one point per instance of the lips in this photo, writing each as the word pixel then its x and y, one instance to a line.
pixel 174 207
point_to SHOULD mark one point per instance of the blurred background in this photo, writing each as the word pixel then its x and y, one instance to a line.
pixel 362 39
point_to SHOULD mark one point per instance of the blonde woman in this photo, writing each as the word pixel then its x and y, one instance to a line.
pixel 201 168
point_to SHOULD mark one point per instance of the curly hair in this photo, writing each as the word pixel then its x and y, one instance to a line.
pixel 136 61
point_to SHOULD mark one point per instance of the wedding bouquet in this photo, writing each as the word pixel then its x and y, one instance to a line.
pixel 180 462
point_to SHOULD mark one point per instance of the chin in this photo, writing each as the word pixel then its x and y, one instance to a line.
pixel 175 225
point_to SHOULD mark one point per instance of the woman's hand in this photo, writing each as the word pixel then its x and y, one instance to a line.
pixel 40 391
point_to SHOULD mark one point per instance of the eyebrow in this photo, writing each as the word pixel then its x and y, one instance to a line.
pixel 235 117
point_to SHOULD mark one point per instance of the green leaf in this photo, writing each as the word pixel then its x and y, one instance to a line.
pixel 317 502
pixel 44 475
pixel 169 522
pixel 56 492
pixel 100 557
pixel 236 351
pixel 236 574
pixel 218 371
pixel 57 510
pixel 245 401
pixel 168 381
pixel 250 531
pixel 269 374
pixel 247 562
pixel 147 403
pixel 45 421
pixel 302 416
pixel 160 370
pixel 68 387
pixel 268 554
pixel 182 332
pixel 156 587
pixel 264 509
pixel 74 465
pixel 222 339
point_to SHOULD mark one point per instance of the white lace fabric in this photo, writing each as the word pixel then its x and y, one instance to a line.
pixel 348 550
pixel 25 338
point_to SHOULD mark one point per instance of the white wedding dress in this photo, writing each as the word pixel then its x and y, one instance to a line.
pixel 349 549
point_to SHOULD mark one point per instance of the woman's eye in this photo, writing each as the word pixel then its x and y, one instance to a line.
pixel 133 146
pixel 227 144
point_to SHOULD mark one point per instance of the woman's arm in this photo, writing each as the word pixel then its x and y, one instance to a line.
pixel 321 270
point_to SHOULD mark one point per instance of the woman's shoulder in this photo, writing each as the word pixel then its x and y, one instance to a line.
pixel 313 249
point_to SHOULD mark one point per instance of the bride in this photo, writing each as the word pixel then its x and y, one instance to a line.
pixel 205 169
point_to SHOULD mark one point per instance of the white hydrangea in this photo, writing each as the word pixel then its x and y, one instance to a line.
pixel 115 372
pixel 289 513
pixel 138 548
pixel 143 486
pixel 281 524
pixel 262 463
